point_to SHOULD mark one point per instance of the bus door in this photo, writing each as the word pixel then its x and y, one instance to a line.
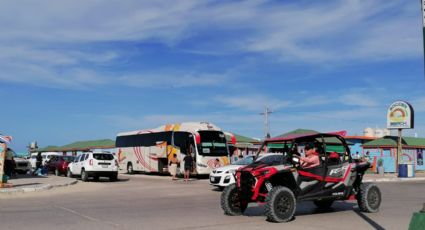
pixel 158 160
pixel 180 146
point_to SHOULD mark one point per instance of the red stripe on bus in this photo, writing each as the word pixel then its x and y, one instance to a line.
pixel 139 157
pixel 147 165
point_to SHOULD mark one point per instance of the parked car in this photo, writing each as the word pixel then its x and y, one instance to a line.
pixel 280 183
pixel 59 164
pixel 45 155
pixel 94 164
pixel 22 165
pixel 224 176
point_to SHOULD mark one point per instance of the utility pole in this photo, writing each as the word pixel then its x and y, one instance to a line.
pixel 423 24
pixel 266 114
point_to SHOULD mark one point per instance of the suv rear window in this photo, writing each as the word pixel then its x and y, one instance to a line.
pixel 103 156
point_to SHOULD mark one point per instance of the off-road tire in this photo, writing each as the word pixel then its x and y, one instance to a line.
pixel 230 201
pixel 280 204
pixel 84 175
pixel 130 169
pixel 57 173
pixel 369 198
pixel 323 204
pixel 69 173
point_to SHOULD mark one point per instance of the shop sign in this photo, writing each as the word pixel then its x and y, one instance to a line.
pixel 2 157
pixel 400 115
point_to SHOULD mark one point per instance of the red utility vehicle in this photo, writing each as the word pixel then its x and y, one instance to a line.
pixel 281 182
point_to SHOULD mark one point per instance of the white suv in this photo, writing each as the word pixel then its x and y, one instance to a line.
pixel 224 176
pixel 94 164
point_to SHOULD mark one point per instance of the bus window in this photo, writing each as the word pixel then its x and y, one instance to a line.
pixel 181 140
pixel 213 143
pixel 146 140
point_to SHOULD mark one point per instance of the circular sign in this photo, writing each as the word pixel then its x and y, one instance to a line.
pixel 400 116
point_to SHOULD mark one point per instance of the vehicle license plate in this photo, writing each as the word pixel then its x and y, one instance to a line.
pixel 104 166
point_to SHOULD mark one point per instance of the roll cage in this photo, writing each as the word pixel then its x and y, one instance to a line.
pixel 326 144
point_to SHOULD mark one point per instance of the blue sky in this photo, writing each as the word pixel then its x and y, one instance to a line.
pixel 80 70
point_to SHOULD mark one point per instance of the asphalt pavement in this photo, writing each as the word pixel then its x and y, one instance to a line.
pixel 148 201
pixel 29 183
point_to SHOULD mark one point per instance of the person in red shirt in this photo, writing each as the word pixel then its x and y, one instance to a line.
pixel 311 158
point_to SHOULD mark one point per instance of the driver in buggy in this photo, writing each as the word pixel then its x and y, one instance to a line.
pixel 311 158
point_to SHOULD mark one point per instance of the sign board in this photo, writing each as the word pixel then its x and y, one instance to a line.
pixel 2 157
pixel 400 115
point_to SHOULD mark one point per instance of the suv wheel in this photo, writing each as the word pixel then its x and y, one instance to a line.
pixel 323 203
pixel 69 173
pixel 280 204
pixel 369 198
pixel 113 177
pixel 84 175
pixel 130 168
pixel 231 202
pixel 57 173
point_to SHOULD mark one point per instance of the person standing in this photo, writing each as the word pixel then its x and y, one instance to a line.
pixel 8 163
pixel 173 166
pixel 235 155
pixel 217 163
pixel 188 164
pixel 38 161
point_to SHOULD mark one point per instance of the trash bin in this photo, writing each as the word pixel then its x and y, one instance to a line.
pixel 410 170
pixel 402 170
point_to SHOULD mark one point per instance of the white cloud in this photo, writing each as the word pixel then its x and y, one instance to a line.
pixel 359 100
pixel 227 122
pixel 251 102
pixel 313 101
pixel 51 56
pixel 352 120
pixel 173 79
pixel 47 77
pixel 331 32
pixel 87 21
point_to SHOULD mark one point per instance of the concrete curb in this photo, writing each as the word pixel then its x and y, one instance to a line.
pixel 35 189
pixel 395 179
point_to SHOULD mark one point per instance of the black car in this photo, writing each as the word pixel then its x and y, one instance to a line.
pixel 282 182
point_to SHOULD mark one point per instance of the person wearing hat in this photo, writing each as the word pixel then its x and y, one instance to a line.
pixel 311 158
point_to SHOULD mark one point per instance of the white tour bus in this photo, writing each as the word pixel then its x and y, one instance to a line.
pixel 150 150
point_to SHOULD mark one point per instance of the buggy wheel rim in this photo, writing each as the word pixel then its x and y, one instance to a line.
pixel 283 205
pixel 234 200
pixel 373 198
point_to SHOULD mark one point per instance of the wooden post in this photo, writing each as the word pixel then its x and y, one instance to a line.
pixel 399 149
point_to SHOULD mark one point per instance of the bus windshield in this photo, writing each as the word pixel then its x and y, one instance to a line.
pixel 213 143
